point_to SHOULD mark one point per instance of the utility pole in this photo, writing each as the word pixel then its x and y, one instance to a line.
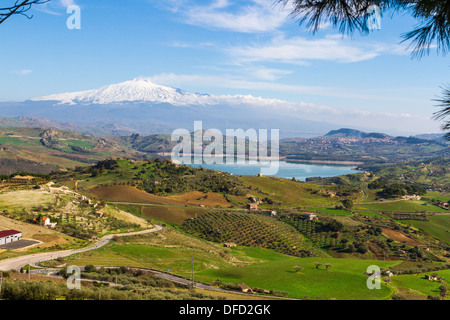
pixel 192 274
pixel 1 281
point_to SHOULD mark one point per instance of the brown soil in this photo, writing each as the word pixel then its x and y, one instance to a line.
pixel 129 194
pixel 132 194
pixel 209 199
pixel 400 237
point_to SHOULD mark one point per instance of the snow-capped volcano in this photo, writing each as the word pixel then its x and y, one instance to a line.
pixel 143 90
pixel 136 90
pixel 144 107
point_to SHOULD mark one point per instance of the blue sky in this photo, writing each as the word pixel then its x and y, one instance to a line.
pixel 225 47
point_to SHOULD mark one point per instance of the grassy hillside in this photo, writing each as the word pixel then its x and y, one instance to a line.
pixel 257 267
pixel 54 148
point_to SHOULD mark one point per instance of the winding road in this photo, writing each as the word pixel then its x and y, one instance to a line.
pixel 33 259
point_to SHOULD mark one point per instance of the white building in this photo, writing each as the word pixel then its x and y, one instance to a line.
pixel 47 223
pixel 8 236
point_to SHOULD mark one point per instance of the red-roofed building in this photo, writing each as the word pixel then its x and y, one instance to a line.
pixel 309 216
pixel 8 236
pixel 47 223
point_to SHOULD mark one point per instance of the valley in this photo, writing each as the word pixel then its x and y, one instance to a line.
pixel 206 216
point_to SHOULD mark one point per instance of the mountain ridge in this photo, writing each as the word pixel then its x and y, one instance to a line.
pixel 353 133
pixel 144 90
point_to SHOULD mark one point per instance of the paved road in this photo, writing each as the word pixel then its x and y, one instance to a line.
pixel 53 272
pixel 33 259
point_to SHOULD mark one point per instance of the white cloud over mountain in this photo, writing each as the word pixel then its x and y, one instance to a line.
pixel 144 90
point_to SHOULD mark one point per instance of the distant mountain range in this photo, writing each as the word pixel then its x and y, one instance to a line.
pixel 140 106
pixel 40 145
pixel 352 133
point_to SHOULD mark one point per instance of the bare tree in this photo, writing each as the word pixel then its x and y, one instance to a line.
pixel 18 7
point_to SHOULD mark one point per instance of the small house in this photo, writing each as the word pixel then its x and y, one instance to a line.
pixel 252 206
pixel 85 199
pixel 229 244
pixel 272 213
pixel 309 216
pixel 45 222
pixel 245 288
pixel 99 214
pixel 431 278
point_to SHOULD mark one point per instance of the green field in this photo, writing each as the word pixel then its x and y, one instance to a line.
pixel 438 226
pixel 291 194
pixel 331 211
pixel 418 285
pixel 345 280
pixel 256 267
pixel 401 206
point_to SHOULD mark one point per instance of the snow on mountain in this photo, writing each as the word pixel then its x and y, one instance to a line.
pixel 137 90
pixel 143 90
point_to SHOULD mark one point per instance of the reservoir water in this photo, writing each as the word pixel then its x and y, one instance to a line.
pixel 287 170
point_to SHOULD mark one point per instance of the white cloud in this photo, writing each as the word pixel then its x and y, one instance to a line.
pixel 23 72
pixel 252 17
pixel 67 3
pixel 243 84
pixel 56 8
pixel 386 121
pixel 299 50
pixel 268 74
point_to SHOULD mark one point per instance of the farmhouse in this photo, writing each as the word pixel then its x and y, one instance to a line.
pixel 252 206
pixel 8 236
pixel 229 244
pixel 272 213
pixel 431 278
pixel 99 214
pixel 310 216
pixel 85 199
pixel 45 222
pixel 245 288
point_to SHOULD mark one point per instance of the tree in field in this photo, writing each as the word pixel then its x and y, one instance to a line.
pixel 351 16
pixel 348 204
pixel 443 291
pixel 317 264
pixel 17 7
pixel 328 266
pixel 297 268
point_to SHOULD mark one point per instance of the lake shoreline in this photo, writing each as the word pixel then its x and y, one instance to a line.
pixel 286 169
pixel 342 162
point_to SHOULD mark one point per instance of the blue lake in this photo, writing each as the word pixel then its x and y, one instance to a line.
pixel 287 170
